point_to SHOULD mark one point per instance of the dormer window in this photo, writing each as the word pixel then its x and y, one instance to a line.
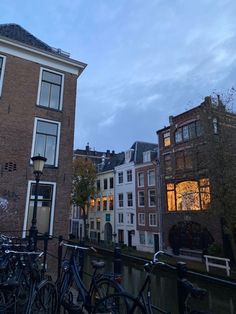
pixel 147 156
pixel 128 155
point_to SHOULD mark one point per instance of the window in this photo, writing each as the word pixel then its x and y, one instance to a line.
pixel 142 238
pixel 152 220
pixel 188 195
pixel 45 210
pixel 46 140
pixel 131 219
pixel 120 177
pixel 121 218
pixel 2 68
pixel 92 224
pixel 188 132
pixel 141 198
pixel 167 164
pixel 129 175
pixel 121 200
pixel 141 219
pixel 104 204
pixel 105 184
pixel 151 198
pixel 98 185
pixel 146 156
pixel 183 160
pixel 140 179
pixel 50 89
pixel 166 139
pixel 150 240
pixel 130 199
pixel 151 177
pixel 111 203
pixel 98 205
pixel 98 224
pixel 111 183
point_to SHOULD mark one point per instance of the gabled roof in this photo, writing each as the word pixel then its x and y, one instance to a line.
pixel 141 147
pixel 18 33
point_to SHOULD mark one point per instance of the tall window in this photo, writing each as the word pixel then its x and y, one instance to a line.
pixel 50 89
pixel 129 175
pixel 141 219
pixel 131 219
pixel 167 164
pixel 98 185
pixel 151 177
pixel 111 183
pixel 2 67
pixel 188 132
pixel 141 198
pixel 98 204
pixel 45 210
pixel 111 203
pixel 121 200
pixel 151 198
pixel 121 218
pixel 104 204
pixel 142 238
pixel 140 179
pixel 166 139
pixel 105 184
pixel 120 177
pixel 188 195
pixel 152 220
pixel 98 224
pixel 130 199
pixel 46 140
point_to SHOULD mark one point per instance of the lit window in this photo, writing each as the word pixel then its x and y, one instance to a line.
pixel 111 203
pixel 141 219
pixel 45 209
pixel 140 179
pixel 129 175
pixel 151 177
pixel 166 138
pixel 104 203
pixel 130 199
pixel 50 89
pixel 98 204
pixel 141 198
pixel 188 195
pixel 151 198
pixel 121 200
pixel 152 220
pixel 2 68
pixel 120 177
pixel 46 140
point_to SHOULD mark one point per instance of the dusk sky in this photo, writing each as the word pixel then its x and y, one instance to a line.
pixel 146 60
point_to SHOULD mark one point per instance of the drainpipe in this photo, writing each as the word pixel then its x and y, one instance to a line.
pixel 159 204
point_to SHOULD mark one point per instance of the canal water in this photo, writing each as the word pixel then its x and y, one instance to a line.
pixel 221 299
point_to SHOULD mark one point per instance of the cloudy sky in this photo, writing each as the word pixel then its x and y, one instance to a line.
pixel 146 59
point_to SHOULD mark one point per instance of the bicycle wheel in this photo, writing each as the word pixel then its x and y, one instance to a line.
pixel 45 299
pixel 103 288
pixel 119 303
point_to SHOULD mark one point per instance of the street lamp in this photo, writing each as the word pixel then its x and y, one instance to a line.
pixel 38 164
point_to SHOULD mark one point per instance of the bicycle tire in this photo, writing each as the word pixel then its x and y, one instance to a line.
pixel 103 288
pixel 119 303
pixel 44 299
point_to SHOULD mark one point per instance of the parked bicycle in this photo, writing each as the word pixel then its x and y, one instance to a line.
pixel 124 302
pixel 74 295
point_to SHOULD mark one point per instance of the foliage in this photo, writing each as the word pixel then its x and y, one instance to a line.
pixel 215 249
pixel 84 175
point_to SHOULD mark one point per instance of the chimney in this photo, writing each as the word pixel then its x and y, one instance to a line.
pixel 108 153
pixel 171 120
pixel 87 147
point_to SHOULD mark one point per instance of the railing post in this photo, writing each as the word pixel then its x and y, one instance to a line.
pixel 117 260
pixel 59 255
pixel 182 292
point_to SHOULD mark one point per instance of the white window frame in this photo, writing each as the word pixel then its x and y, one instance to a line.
pixel 151 224
pixel 147 156
pixel 149 198
pixel 118 181
pixel 120 218
pixel 144 238
pixel 138 179
pixel 2 73
pixel 120 200
pixel 130 193
pixel 150 183
pixel 129 176
pixel 58 138
pixel 27 205
pixel 141 219
pixel 39 88
pixel 139 192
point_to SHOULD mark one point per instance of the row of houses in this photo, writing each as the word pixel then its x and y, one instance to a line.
pixel 164 194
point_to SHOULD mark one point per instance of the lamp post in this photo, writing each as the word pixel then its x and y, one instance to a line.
pixel 38 164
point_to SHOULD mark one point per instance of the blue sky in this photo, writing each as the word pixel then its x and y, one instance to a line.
pixel 146 60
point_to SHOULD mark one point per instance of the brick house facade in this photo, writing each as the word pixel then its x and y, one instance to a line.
pixel 37 110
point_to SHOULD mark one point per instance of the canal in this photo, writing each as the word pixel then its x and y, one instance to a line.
pixel 221 299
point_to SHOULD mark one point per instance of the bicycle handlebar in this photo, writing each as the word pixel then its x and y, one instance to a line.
pixel 23 252
pixel 77 247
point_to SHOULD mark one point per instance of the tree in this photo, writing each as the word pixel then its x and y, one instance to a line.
pixel 84 175
pixel 218 156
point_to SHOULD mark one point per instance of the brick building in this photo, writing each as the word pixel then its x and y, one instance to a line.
pixel 37 110
pixel 189 169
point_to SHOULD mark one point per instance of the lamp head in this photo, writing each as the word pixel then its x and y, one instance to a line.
pixel 38 163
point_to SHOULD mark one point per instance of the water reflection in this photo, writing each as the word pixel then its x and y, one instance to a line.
pixel 220 299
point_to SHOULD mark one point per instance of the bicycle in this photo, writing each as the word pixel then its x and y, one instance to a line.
pixel 24 291
pixel 73 294
pixel 142 303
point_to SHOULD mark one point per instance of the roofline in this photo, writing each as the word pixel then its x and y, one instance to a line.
pixel 41 52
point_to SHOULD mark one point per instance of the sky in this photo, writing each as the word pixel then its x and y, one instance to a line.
pixel 146 60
